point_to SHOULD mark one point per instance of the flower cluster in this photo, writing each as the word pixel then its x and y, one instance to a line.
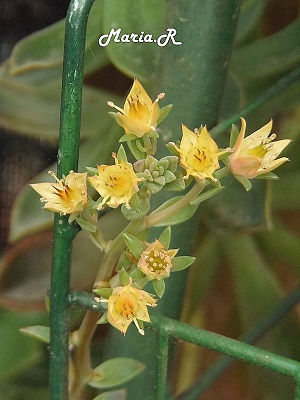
pixel 195 162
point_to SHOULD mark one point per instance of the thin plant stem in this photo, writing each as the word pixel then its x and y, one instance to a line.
pixel 157 216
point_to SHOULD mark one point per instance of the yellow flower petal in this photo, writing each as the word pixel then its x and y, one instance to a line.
pixel 257 153
pixel 66 196
pixel 115 183
pixel 198 153
pixel 128 304
pixel 140 115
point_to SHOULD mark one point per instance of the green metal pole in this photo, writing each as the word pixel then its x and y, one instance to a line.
pixel 255 333
pixel 225 345
pixel 64 233
pixel 162 365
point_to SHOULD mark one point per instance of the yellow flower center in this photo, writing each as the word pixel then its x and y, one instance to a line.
pixel 66 195
pixel 259 151
pixel 158 261
pixel 117 180
pixel 198 160
pixel 138 109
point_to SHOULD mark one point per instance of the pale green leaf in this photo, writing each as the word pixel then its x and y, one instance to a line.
pixel 112 395
pixel 181 262
pixel 178 217
pixel 38 332
pixel 114 372
pixel 165 238
pixel 159 287
pixel 135 246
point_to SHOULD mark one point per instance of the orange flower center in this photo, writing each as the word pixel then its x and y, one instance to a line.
pixel 125 306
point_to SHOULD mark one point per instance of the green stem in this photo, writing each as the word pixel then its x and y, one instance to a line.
pixel 114 249
pixel 82 360
pixel 157 216
pixel 64 233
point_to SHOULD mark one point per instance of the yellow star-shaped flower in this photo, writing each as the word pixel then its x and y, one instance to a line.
pixel 66 196
pixel 140 115
pixel 115 183
pixel 156 262
pixel 198 153
pixel 128 304
pixel 257 153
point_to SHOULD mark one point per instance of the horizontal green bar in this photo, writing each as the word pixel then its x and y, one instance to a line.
pixel 225 345
pixel 210 340
pixel 256 332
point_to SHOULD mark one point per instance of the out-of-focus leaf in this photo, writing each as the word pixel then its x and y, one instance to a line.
pixel 112 395
pixel 38 57
pixel 201 274
pixel 287 184
pixel 12 391
pixel 38 332
pixel 28 216
pixel 234 209
pixel 256 286
pixel 17 352
pixel 34 110
pixel 25 268
pixel 282 244
pixel 114 372
pixel 134 59
pixel 250 13
pixel 271 55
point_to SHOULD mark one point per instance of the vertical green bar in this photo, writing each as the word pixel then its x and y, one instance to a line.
pixel 162 365
pixel 297 395
pixel 64 233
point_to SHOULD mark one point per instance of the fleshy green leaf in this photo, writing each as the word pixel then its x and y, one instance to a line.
pixel 181 262
pixel 184 214
pixel 121 155
pixel 269 175
pixel 134 245
pixel 112 395
pixel 165 238
pixel 103 319
pixel 114 372
pixel 246 183
pixel 103 292
pixel 124 277
pixel 138 207
pixel 136 275
pixel 164 111
pixel 159 287
pixel 38 332
pixel 85 225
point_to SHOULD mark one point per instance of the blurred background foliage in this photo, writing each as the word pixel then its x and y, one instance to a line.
pixel 248 245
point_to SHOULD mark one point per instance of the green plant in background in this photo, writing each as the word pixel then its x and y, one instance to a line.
pixel 251 76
